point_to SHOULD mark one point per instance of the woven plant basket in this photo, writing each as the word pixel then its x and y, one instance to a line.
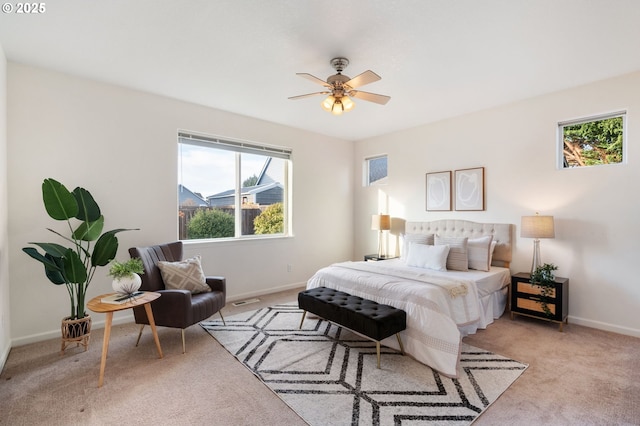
pixel 76 331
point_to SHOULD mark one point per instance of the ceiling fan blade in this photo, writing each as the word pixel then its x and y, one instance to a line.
pixel 362 79
pixel 313 78
pixel 309 95
pixel 371 97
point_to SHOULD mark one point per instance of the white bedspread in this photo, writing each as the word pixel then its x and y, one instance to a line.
pixel 436 305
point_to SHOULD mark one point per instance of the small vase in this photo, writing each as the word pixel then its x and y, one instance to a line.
pixel 127 285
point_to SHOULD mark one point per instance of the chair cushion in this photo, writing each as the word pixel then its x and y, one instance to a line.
pixel 184 275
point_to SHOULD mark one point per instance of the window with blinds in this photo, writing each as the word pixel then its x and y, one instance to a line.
pixel 231 188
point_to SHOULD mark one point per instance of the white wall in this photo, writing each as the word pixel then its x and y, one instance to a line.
pixel 596 209
pixel 121 145
pixel 5 327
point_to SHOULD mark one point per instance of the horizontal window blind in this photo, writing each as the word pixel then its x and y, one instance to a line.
pixel 592 118
pixel 234 145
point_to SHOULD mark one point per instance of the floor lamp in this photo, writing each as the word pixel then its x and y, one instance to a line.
pixel 537 227
pixel 380 223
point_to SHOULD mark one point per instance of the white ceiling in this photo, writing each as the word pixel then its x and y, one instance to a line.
pixel 437 58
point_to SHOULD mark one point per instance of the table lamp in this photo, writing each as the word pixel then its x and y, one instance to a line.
pixel 536 227
pixel 380 223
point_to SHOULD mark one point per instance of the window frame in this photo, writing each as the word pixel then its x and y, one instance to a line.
pixel 598 117
pixel 239 147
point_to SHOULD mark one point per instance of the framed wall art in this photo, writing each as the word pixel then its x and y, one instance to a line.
pixel 439 191
pixel 469 189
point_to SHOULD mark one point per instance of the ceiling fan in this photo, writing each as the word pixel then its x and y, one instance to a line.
pixel 341 88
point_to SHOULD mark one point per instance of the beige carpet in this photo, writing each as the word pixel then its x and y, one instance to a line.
pixel 580 377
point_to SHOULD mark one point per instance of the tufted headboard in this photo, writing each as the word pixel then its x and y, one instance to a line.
pixel 502 233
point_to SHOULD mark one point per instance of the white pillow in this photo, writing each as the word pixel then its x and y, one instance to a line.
pixel 428 257
pixel 457 259
pixel 414 238
pixel 479 254
pixel 184 275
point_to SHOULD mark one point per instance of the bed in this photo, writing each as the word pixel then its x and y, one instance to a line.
pixel 442 305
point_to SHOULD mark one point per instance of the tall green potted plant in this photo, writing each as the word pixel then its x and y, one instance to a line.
pixel 75 264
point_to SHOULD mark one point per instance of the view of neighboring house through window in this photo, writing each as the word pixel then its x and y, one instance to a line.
pixel 231 189
pixel 592 141
pixel 375 170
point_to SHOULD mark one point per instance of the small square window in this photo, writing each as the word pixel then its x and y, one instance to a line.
pixel 592 141
pixel 376 170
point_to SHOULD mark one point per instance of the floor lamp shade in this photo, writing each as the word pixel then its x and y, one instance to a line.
pixel 380 223
pixel 537 227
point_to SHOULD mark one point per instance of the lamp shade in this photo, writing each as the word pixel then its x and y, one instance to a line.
pixel 380 222
pixel 537 227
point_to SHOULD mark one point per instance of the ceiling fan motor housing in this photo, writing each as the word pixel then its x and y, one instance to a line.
pixel 337 83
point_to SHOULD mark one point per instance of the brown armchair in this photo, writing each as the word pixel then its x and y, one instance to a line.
pixel 175 308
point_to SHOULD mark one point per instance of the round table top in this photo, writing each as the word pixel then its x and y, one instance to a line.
pixel 97 305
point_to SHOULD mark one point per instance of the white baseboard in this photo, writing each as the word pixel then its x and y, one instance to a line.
pixel 4 356
pixel 55 334
pixel 263 292
pixel 604 326
pixel 128 317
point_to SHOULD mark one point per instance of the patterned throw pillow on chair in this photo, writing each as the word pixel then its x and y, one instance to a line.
pixel 184 275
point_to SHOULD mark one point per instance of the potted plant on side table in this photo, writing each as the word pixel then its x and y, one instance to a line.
pixel 544 278
pixel 126 276
pixel 74 266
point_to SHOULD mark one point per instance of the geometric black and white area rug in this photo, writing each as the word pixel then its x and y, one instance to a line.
pixel 328 374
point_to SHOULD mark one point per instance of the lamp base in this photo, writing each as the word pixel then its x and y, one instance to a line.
pixel 381 249
pixel 536 256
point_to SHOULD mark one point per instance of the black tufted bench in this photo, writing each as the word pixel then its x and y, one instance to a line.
pixel 364 316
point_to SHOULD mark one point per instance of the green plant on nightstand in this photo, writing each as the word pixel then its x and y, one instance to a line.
pixel 544 278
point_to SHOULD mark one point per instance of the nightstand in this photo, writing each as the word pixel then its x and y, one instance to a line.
pixel 376 258
pixel 526 299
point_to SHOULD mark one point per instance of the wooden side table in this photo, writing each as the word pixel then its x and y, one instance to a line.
pixel 96 305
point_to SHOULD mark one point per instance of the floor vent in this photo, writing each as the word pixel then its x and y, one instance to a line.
pixel 245 302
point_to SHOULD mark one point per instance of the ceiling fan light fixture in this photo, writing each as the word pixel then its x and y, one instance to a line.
pixel 347 103
pixel 328 103
pixel 337 108
pixel 337 105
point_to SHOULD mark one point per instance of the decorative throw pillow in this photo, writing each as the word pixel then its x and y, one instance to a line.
pixel 407 239
pixel 184 275
pixel 429 257
pixel 479 253
pixel 493 246
pixel 457 259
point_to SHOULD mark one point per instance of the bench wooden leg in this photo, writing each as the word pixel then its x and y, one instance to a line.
pixel 303 315
pixel 400 343
pixel 378 352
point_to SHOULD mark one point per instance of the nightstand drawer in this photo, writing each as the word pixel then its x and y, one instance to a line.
pixel 522 287
pixel 534 305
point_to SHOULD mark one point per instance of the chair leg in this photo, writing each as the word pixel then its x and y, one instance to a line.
pixel 220 312
pixel 139 334
pixel 378 353
pixel 184 348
